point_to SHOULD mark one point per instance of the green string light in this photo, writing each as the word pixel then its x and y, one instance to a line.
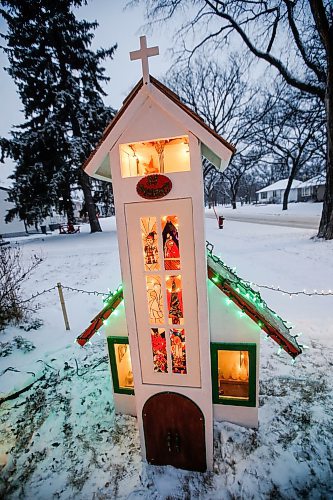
pixel 253 297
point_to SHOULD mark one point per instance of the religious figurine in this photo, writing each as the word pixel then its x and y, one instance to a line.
pixel 171 246
pixel 129 379
pixel 171 250
pixel 150 168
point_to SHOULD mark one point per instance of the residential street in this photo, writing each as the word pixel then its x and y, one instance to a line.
pixel 260 215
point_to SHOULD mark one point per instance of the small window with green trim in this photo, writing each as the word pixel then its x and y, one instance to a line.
pixel 234 373
pixel 121 365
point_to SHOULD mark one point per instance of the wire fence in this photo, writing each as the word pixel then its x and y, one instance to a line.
pixel 307 293
pixel 69 288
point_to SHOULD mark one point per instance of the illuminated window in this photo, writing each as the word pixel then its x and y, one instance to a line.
pixel 150 243
pixel 175 300
pixel 169 224
pixel 158 343
pixel 154 299
pixel 234 373
pixel 178 352
pixel 164 234
pixel 121 365
pixel 152 157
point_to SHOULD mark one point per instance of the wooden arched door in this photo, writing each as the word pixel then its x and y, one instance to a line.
pixel 174 429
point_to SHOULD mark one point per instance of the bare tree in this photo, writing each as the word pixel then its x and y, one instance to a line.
pixel 295 37
pixel 292 136
pixel 13 308
pixel 249 186
pixel 212 179
pixel 224 99
pixel 239 169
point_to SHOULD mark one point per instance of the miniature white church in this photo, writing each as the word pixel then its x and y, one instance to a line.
pixel 185 348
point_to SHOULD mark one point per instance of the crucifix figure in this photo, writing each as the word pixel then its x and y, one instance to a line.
pixel 143 54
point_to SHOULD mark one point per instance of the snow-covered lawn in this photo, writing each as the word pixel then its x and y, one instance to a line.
pixel 294 209
pixel 62 439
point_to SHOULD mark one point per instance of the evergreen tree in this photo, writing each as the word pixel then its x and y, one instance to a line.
pixel 59 82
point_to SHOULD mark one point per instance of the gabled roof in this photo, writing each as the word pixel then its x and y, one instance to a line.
pixel 176 99
pixel 211 149
pixel 317 180
pixel 282 184
pixel 111 302
pixel 238 291
pixel 251 303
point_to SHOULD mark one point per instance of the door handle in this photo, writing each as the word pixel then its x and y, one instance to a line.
pixel 177 442
pixel 169 441
pixel 173 442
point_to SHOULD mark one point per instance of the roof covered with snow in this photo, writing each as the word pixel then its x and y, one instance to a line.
pixel 317 180
pixel 282 184
pixel 251 303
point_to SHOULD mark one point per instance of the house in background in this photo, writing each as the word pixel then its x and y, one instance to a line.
pixel 313 189
pixel 14 228
pixel 275 192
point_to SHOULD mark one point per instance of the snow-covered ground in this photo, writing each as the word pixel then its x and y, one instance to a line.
pixel 62 439
pixel 303 215
pixel 294 209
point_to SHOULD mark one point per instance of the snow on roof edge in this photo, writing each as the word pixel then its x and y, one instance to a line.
pixel 317 180
pixel 281 184
pixel 268 320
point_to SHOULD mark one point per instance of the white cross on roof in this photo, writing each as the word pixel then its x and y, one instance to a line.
pixel 143 54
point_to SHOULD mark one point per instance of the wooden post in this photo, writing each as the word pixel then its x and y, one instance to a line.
pixel 63 306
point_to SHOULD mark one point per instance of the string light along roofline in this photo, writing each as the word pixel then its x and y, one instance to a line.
pixel 250 303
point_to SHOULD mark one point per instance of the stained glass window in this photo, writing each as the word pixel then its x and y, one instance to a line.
pixel 164 232
pixel 175 300
pixel 154 299
pixel 170 239
pixel 178 352
pixel 158 343
pixel 150 243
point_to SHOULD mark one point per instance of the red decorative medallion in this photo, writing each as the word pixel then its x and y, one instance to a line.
pixel 154 186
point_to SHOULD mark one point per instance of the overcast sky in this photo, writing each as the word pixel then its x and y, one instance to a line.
pixel 116 25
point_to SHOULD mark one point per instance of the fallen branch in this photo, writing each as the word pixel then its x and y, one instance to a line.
pixel 92 367
pixel 9 369
pixel 14 395
pixel 49 366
